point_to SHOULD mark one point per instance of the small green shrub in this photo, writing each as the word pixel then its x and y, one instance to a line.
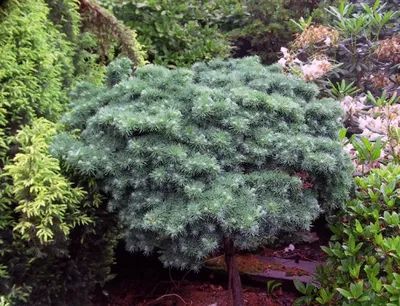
pixel 342 89
pixel 178 32
pixel 227 151
pixel 364 252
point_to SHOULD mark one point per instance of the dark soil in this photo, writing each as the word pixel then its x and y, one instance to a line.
pixel 138 293
pixel 142 281
pixel 308 252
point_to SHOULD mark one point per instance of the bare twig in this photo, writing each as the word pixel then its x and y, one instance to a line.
pixel 213 258
pixel 170 277
pixel 186 274
pixel 168 295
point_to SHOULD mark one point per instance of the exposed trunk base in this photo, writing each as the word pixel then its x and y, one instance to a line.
pixel 235 291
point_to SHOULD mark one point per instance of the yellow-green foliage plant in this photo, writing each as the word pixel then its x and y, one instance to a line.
pixel 35 61
pixel 47 204
pixel 53 250
pixel 54 238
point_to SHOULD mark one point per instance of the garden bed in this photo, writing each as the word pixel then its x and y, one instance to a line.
pixel 209 287
pixel 262 268
pixel 138 293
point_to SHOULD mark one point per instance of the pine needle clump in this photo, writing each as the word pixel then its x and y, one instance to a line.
pixel 226 150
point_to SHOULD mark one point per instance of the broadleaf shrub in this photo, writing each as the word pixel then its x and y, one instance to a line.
pixel 364 252
pixel 179 32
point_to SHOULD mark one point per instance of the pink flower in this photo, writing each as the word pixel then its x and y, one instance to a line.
pixel 363 123
pixel 285 52
pixel 316 69
pixel 328 41
pixel 308 71
pixel 282 62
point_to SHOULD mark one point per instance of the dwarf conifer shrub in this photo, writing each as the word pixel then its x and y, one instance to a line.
pixel 226 153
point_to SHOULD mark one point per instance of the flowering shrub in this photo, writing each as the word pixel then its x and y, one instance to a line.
pixel 313 35
pixel 309 71
pixel 378 127
pixel 363 255
pixel 351 46
pixel 316 69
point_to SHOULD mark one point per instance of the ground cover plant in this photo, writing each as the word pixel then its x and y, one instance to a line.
pixel 223 155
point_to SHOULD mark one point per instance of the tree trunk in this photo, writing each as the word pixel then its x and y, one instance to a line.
pixel 235 290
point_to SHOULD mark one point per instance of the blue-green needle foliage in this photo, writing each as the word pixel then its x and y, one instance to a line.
pixel 189 157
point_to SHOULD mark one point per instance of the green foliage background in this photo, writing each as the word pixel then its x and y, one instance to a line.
pixel 179 32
